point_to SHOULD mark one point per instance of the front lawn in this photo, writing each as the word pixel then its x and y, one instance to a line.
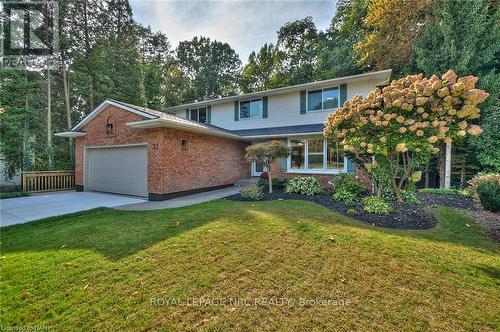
pixel 113 270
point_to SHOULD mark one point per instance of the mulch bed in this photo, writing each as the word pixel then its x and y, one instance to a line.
pixel 405 216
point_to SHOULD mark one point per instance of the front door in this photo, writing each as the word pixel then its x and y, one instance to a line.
pixel 257 168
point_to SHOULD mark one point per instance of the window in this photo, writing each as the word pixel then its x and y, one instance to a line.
pixel 335 156
pixel 297 154
pixel 198 114
pixel 325 99
pixel 109 126
pixel 251 109
pixel 315 155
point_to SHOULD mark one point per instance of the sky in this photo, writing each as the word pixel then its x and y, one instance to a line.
pixel 245 25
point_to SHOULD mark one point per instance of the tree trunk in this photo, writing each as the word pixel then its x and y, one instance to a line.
pixel 442 163
pixel 49 118
pixel 269 178
pixel 66 104
pixel 426 183
pixel 87 57
pixel 463 172
pixel 447 172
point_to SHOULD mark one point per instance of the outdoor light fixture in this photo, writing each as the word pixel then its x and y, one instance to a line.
pixel 184 144
pixel 109 128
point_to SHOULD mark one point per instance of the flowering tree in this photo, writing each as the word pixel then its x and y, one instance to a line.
pixel 395 130
pixel 267 153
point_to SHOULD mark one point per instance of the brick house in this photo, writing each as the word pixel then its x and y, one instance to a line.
pixel 127 149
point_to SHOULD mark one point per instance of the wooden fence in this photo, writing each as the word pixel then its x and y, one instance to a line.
pixel 47 181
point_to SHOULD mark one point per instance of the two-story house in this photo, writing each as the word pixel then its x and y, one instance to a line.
pixel 126 149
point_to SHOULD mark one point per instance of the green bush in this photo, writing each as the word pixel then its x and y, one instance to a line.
pixel 352 212
pixel 349 198
pixel 277 183
pixel 372 204
pixel 346 188
pixel 12 194
pixel 440 191
pixel 347 182
pixel 305 185
pixel 489 195
pixel 252 193
pixel 409 197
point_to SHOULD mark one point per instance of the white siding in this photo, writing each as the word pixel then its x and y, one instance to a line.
pixel 283 110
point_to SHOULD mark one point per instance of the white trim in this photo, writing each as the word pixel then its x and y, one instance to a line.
pixel 323 109
pixel 383 76
pixel 70 134
pixel 105 104
pixel 325 170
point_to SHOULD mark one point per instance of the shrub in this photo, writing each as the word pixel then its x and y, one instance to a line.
pixel 12 194
pixel 489 195
pixel 305 185
pixel 352 212
pixel 406 121
pixel 480 178
pixel 347 182
pixel 251 193
pixel 373 204
pixel 277 183
pixel 349 198
pixel 409 197
pixel 441 191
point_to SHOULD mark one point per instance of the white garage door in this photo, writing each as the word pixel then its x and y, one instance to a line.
pixel 121 170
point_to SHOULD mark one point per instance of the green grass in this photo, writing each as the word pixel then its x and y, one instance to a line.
pixel 98 270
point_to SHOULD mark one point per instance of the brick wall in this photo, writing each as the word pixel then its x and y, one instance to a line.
pixel 208 161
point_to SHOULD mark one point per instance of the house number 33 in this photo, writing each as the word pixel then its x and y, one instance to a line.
pixel 155 146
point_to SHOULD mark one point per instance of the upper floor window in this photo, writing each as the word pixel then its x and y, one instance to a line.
pixel 198 114
pixel 323 99
pixel 109 126
pixel 251 109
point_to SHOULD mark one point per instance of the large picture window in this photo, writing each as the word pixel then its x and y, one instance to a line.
pixel 251 109
pixel 198 114
pixel 324 99
pixel 315 155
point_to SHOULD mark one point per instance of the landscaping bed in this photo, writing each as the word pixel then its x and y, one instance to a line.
pixel 405 216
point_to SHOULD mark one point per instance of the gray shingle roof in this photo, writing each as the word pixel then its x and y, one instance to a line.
pixel 300 129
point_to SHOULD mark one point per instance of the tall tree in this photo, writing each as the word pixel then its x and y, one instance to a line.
pixel 212 67
pixel 298 41
pixel 262 70
pixel 464 36
pixel 392 28
pixel 336 56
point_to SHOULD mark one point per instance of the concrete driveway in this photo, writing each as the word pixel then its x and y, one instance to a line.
pixel 23 209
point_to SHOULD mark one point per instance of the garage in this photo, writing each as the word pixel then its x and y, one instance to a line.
pixel 117 169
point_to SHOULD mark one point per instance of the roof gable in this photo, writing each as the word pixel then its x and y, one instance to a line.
pixel 148 114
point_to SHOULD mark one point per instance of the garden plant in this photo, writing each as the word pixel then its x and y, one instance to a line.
pixel 394 131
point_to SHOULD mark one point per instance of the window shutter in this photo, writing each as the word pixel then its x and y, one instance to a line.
pixel 236 111
pixel 350 166
pixel 209 114
pixel 283 161
pixel 187 114
pixel 343 94
pixel 264 107
pixel 302 102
